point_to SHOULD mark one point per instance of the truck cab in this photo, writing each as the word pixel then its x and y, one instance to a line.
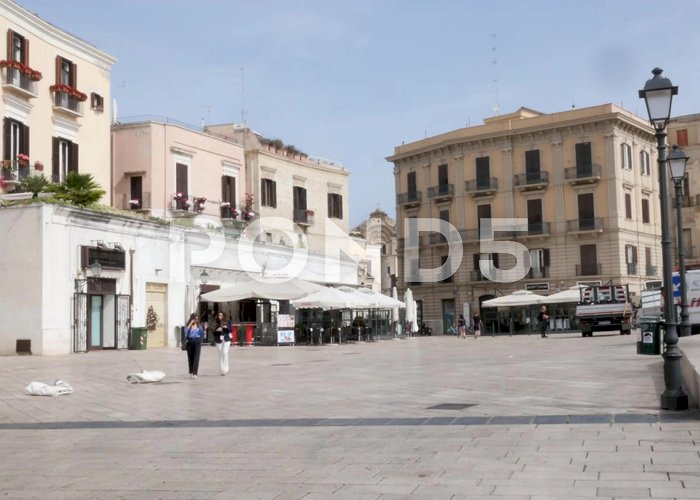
pixel 604 308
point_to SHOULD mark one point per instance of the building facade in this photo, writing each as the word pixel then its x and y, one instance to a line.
pixel 685 132
pixel 56 102
pixel 380 230
pixel 581 183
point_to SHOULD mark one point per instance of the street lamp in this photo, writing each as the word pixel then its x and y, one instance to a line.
pixel 658 93
pixel 677 161
pixel 92 271
pixel 204 277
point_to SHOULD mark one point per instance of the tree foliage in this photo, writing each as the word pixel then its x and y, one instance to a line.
pixel 79 189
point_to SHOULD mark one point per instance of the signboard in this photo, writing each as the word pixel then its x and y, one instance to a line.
pixel 285 336
pixel 109 258
pixel 537 286
pixel 285 321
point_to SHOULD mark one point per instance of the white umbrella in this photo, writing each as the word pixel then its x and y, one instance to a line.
pixel 330 298
pixel 517 298
pixel 263 288
pixel 374 299
pixel 573 294
pixel 395 310
pixel 411 310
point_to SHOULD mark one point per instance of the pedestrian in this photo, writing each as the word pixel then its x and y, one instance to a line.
pixel 222 337
pixel 462 327
pixel 477 325
pixel 543 318
pixel 194 335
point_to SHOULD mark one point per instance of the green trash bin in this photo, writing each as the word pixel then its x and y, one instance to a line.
pixel 138 338
pixel 649 336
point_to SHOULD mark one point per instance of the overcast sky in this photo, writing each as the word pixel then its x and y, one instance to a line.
pixel 350 80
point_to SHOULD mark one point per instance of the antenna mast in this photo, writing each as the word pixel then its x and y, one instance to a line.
pixel 494 61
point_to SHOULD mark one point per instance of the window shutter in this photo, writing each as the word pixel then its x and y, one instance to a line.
pixel 55 169
pixel 73 157
pixel 545 257
pixel 340 206
pixel 74 76
pixel 6 139
pixel 58 69
pixel 330 205
pixel 476 258
pixel 274 194
pixel 10 36
pixel 24 147
pixel 634 255
pixel 224 191
pixel 25 53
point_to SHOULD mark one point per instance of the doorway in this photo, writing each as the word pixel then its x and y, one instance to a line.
pixel 95 322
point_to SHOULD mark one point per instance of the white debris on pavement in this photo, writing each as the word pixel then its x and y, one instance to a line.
pixel 145 377
pixel 58 388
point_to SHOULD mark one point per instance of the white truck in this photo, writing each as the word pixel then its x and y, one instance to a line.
pixel 652 300
pixel 603 308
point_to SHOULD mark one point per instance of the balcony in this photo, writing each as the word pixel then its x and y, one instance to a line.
pixel 304 217
pixel 19 83
pixel 477 276
pixel 70 104
pixel 469 235
pixel 687 201
pixel 583 174
pixel 14 171
pixel 651 271
pixel 411 198
pixel 589 270
pixel 632 268
pixel 182 205
pixel 532 181
pixel 535 229
pixel 482 187
pixel 585 225
pixel 441 192
pixel 537 274
pixel 137 203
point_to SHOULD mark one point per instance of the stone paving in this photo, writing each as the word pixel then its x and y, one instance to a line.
pixel 424 418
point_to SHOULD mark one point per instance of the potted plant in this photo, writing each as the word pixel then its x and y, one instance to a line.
pixel 38 166
pixel 22 159
pixel 199 204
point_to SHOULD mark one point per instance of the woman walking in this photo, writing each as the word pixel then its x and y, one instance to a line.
pixel 462 327
pixel 477 325
pixel 194 334
pixel 222 336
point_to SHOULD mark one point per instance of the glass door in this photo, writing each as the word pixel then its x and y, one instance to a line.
pixel 95 318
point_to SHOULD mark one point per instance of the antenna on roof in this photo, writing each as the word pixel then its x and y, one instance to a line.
pixel 242 95
pixel 494 61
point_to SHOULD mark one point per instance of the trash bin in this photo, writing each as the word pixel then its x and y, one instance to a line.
pixel 138 338
pixel 649 336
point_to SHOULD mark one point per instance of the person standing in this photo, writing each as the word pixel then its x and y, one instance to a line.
pixel 477 325
pixel 222 337
pixel 543 318
pixel 462 327
pixel 194 334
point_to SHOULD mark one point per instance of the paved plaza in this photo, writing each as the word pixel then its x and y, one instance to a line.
pixel 423 418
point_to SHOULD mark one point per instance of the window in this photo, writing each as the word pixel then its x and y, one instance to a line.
pixel 628 206
pixel 682 137
pixel 64 158
pixel 17 50
pixel 16 139
pixel 482 212
pixel 631 259
pixel 646 219
pixel 539 263
pixel 483 174
pixel 268 193
pixel 644 161
pixel 97 102
pixel 299 195
pixel 589 261
pixel 181 186
pixel 136 192
pixel 586 213
pixel 490 262
pixel 584 163
pixel 627 156
pixel 651 271
pixel 532 165
pixel 411 182
pixel 228 190
pixel 442 174
pixel 65 72
pixel 443 260
pixel 534 217
pixel 335 206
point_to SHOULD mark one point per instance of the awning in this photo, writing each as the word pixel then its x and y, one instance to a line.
pixel 263 288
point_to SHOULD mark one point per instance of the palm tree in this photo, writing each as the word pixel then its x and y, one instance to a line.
pixel 79 189
pixel 34 184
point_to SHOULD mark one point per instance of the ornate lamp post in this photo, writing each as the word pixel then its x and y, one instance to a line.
pixel 658 93
pixel 677 161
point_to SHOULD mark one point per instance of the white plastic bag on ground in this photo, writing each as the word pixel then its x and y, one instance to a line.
pixel 58 388
pixel 145 377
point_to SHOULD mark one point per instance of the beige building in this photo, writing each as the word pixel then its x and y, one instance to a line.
pixel 173 171
pixel 380 230
pixel 685 132
pixel 55 101
pixel 582 181
pixel 290 185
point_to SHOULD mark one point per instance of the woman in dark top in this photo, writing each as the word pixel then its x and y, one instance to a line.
pixel 222 336
pixel 194 334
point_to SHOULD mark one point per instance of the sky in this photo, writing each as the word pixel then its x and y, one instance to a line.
pixel 351 80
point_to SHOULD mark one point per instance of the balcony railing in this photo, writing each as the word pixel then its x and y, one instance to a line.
pixel 469 235
pixel 65 101
pixel 589 270
pixel 304 217
pixel 651 271
pixel 687 201
pixel 409 198
pixel 14 171
pixel 478 187
pixel 632 268
pixel 15 79
pixel 538 273
pixel 585 224
pixel 142 202
pixel 532 180
pixel 536 229
pixel 441 191
pixel 582 173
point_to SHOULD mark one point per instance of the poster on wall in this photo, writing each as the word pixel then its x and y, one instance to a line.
pixel 285 329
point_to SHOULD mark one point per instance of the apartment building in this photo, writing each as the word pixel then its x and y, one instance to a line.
pixel 291 186
pixel 55 102
pixel 380 230
pixel 174 171
pixel 581 182
pixel 685 132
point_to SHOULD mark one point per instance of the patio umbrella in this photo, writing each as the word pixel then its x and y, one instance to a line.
pixel 573 294
pixel 263 288
pixel 330 298
pixel 517 298
pixel 374 299
pixel 411 311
